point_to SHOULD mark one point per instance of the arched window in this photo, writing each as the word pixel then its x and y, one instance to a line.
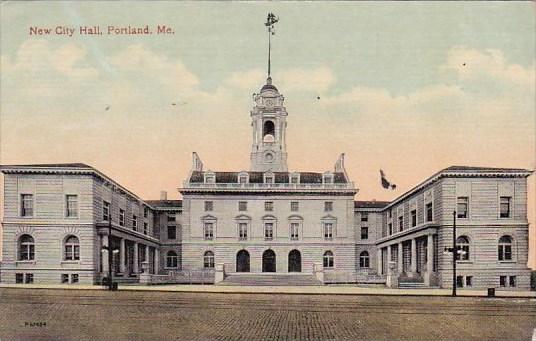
pixel 269 128
pixel 328 259
pixel 208 259
pixel 505 248
pixel 172 260
pixel 26 247
pixel 71 248
pixel 364 260
pixel 463 246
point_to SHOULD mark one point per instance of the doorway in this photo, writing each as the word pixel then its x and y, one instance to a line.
pixel 242 261
pixel 268 261
pixel 294 261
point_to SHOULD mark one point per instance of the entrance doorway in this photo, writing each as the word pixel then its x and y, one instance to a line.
pixel 268 261
pixel 294 261
pixel 242 261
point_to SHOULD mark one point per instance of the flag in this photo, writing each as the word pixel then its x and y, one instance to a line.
pixel 385 183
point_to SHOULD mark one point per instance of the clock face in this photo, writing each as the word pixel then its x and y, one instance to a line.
pixel 269 157
pixel 269 102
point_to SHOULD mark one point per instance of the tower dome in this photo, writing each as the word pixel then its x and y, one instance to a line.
pixel 268 86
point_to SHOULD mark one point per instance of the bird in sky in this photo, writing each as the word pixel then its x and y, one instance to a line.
pixel 385 183
pixel 107 108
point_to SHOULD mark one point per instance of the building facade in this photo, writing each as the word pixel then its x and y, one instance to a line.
pixel 61 220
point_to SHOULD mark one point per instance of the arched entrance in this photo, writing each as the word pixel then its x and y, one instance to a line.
pixel 294 261
pixel 242 261
pixel 268 261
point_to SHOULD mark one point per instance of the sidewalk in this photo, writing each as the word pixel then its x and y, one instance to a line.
pixel 307 290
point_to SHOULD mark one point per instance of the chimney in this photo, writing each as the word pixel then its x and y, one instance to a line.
pixel 163 195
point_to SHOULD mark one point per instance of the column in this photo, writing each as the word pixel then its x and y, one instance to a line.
pixel 104 255
pixel 430 253
pixel 156 260
pixel 135 266
pixel 122 256
pixel 389 259
pixel 414 256
pixel 380 261
pixel 400 258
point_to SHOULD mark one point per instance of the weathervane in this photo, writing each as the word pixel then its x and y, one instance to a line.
pixel 270 21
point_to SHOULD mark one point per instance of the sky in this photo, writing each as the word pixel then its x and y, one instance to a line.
pixel 407 87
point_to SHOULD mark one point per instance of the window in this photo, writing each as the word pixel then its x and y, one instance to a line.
pixel 328 206
pixel 459 281
pixel 243 179
pixel 328 259
pixel 401 223
pixel 505 248
pixel 19 278
pixel 505 207
pixel 26 205
pixel 242 205
pixel 462 207
pixel 243 231
pixel 171 232
pixel 512 281
pixel 328 230
pixel 71 206
pixel 209 206
pixel 121 217
pixel 105 211
pixel 74 278
pixel 209 231
pixel 463 248
pixel 72 248
pixel 294 231
pixel 64 278
pixel 268 231
pixel 429 212
pixel 210 178
pixel 208 259
pixel 390 214
pixel 172 260
pixel 268 205
pixel 364 260
pixel 29 278
pixel 134 222
pixel 145 212
pixel 328 178
pixel 26 247
pixel 145 227
pixel 171 217
pixel 364 232
pixel 294 206
pixel 364 216
pixel 295 179
pixel 413 218
pixel 502 281
pixel 390 225
pixel 469 281
pixel 269 179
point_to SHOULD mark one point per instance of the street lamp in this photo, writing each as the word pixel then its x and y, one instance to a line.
pixel 455 250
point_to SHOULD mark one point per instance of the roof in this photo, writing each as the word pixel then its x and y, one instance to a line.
pixel 371 204
pixel 269 87
pixel 164 203
pixel 50 165
pixel 258 177
pixel 483 169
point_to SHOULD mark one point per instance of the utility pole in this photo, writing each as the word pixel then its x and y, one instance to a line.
pixel 454 253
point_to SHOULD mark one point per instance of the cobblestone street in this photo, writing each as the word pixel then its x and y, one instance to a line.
pixel 100 315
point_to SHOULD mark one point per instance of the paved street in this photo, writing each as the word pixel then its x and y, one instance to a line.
pixel 40 314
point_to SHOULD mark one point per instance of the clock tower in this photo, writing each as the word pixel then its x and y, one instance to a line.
pixel 268 120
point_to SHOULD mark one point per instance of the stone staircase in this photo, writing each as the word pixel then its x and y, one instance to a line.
pixel 412 285
pixel 270 280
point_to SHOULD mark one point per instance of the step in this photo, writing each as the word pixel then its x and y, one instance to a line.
pixel 270 280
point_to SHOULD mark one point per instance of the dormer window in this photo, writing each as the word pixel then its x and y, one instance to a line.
pixel 243 178
pixel 210 178
pixel 268 178
pixel 327 178
pixel 294 178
